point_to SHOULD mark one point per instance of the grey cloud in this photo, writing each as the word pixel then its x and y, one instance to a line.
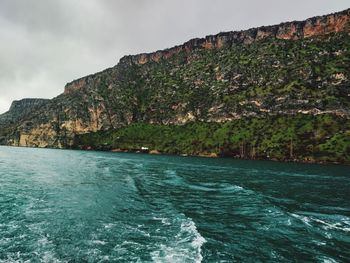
pixel 46 43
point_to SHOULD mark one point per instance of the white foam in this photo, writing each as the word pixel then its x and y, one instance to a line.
pixel 187 246
pixel 342 225
pixel 49 257
pixel 211 187
pixel 138 230
pixel 129 243
pixel 43 241
pixel 109 225
pixel 165 221
pixel 328 260
pixel 304 219
pixel 232 188
pixel 327 226
pixel 99 242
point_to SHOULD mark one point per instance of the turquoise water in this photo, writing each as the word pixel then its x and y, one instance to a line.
pixel 75 206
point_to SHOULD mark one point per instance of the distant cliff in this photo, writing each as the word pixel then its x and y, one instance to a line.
pixel 19 109
pixel 283 70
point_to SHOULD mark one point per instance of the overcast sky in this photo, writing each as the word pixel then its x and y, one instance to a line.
pixel 46 43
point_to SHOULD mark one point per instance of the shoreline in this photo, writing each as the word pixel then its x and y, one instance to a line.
pixel 214 156
pixel 200 155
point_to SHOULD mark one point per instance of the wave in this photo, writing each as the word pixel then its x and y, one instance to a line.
pixel 222 188
pixel 341 223
pixel 174 179
pixel 164 220
pixel 187 245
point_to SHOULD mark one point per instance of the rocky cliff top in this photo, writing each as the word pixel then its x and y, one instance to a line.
pixel 294 30
pixel 20 108
pixel 26 103
pixel 319 25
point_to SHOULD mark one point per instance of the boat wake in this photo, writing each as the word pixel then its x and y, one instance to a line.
pixel 185 247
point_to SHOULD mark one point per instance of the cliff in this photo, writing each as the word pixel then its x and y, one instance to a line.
pixel 316 26
pixel 295 30
pixel 19 109
pixel 283 70
pixel 25 105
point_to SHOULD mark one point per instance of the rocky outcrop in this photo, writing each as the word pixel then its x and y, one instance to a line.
pixel 295 67
pixel 315 26
pixel 19 109
pixel 25 105
pixel 320 25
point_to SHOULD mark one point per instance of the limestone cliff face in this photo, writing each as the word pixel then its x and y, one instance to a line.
pixel 19 109
pixel 24 105
pixel 54 124
pixel 321 25
pixel 292 30
pixel 295 67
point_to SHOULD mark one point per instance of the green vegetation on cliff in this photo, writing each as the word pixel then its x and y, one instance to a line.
pixel 274 99
pixel 300 137
pixel 271 76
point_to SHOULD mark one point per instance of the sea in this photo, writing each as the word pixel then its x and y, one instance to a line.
pixel 86 206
